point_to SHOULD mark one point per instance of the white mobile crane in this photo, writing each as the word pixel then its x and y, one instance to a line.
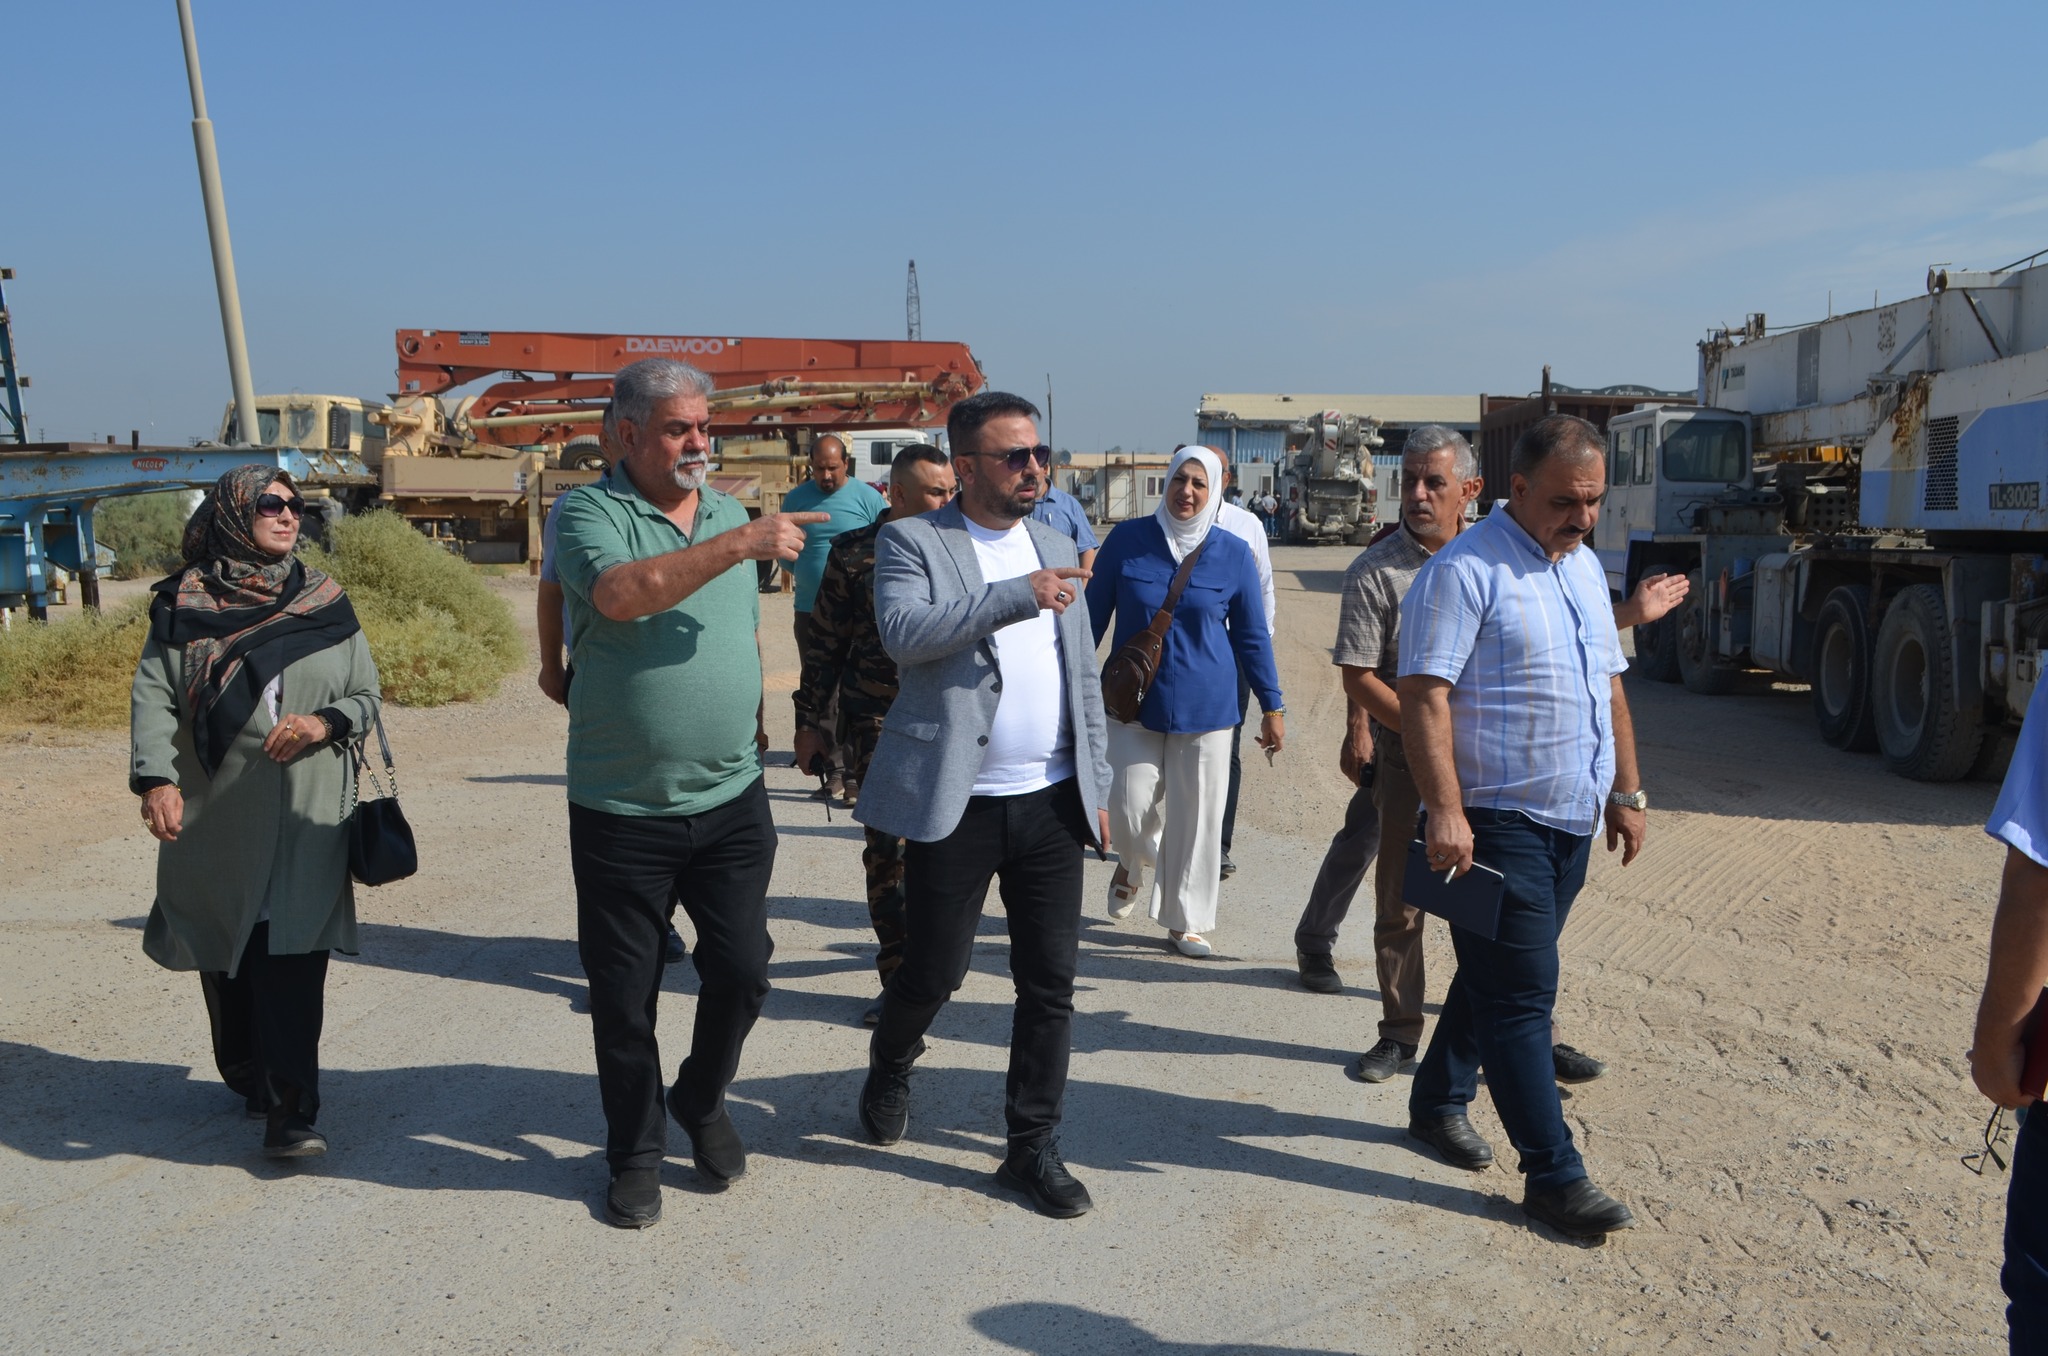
pixel 1860 505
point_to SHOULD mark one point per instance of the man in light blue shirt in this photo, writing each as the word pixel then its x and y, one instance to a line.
pixel 849 504
pixel 1063 513
pixel 1519 739
pixel 2019 967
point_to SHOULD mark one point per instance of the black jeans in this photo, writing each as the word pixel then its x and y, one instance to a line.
pixel 2024 1277
pixel 1032 844
pixel 628 867
pixel 266 1022
pixel 1497 1013
pixel 1244 708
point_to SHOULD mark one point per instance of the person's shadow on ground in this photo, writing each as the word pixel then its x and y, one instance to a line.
pixel 1111 1132
pixel 1069 1330
pixel 459 1127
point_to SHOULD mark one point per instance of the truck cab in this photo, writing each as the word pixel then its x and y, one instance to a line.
pixel 314 423
pixel 1663 463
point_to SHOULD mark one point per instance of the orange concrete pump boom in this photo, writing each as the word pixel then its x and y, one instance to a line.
pixel 559 382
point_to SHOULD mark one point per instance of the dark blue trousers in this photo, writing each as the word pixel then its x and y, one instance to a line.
pixel 2024 1277
pixel 1497 1013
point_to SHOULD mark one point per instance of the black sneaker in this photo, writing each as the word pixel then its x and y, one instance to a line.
pixel 1318 972
pixel 885 1104
pixel 1579 1209
pixel 1574 1066
pixel 1383 1061
pixel 676 948
pixel 1040 1174
pixel 290 1135
pixel 634 1201
pixel 717 1147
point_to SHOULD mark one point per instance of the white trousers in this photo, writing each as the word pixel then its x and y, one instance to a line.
pixel 1166 797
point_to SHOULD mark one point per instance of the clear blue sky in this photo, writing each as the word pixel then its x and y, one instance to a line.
pixel 1147 201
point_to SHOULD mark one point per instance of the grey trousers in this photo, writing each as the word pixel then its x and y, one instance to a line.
pixel 1384 813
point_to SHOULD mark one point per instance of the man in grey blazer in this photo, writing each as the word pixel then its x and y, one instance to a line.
pixel 992 763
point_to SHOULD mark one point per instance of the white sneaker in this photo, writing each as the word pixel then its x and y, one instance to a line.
pixel 1191 944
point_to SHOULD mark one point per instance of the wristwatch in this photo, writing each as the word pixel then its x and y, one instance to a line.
pixel 1629 800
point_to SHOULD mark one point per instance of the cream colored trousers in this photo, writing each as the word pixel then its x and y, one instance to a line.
pixel 1166 796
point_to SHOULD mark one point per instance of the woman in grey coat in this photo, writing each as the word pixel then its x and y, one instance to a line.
pixel 254 679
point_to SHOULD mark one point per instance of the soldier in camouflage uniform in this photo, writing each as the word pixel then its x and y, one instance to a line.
pixel 844 656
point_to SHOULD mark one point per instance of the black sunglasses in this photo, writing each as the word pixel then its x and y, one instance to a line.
pixel 1017 458
pixel 271 505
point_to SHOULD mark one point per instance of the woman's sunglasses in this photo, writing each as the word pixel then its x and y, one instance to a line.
pixel 1017 458
pixel 271 505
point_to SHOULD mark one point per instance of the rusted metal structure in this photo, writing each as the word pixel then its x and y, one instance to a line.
pixel 812 383
pixel 1502 419
pixel 479 470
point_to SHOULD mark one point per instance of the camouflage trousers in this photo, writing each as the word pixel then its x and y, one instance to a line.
pixel 882 859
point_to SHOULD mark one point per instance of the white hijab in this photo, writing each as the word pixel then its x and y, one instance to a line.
pixel 1183 537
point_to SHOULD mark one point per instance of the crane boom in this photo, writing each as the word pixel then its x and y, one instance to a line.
pixel 559 381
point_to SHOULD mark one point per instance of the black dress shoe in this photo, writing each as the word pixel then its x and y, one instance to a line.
pixel 1579 1209
pixel 885 1104
pixel 634 1201
pixel 676 947
pixel 1574 1066
pixel 1040 1174
pixel 717 1147
pixel 1318 972
pixel 1229 868
pixel 290 1135
pixel 1383 1061
pixel 1454 1138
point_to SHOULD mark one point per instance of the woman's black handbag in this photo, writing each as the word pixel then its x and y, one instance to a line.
pixel 380 845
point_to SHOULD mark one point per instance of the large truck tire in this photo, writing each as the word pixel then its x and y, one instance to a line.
pixel 1994 756
pixel 583 453
pixel 1697 667
pixel 1656 651
pixel 1842 659
pixel 1922 729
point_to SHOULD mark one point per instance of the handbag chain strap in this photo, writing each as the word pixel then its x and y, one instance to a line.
pixel 364 768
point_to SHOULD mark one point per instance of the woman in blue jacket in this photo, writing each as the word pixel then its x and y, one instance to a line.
pixel 1172 768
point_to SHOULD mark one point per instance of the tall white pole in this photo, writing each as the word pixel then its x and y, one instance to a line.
pixel 217 235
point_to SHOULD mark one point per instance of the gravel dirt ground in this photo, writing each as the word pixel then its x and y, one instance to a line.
pixel 1783 986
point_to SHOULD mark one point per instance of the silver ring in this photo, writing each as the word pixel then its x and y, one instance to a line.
pixel 1061 596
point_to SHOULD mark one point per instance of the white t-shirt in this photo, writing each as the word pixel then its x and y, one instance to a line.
pixel 1252 533
pixel 1031 744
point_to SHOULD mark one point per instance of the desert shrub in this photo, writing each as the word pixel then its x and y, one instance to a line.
pixel 73 673
pixel 436 630
pixel 143 531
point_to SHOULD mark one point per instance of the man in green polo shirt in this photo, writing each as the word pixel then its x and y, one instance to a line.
pixel 665 788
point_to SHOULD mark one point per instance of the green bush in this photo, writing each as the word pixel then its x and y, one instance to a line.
pixel 144 532
pixel 436 630
pixel 74 673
